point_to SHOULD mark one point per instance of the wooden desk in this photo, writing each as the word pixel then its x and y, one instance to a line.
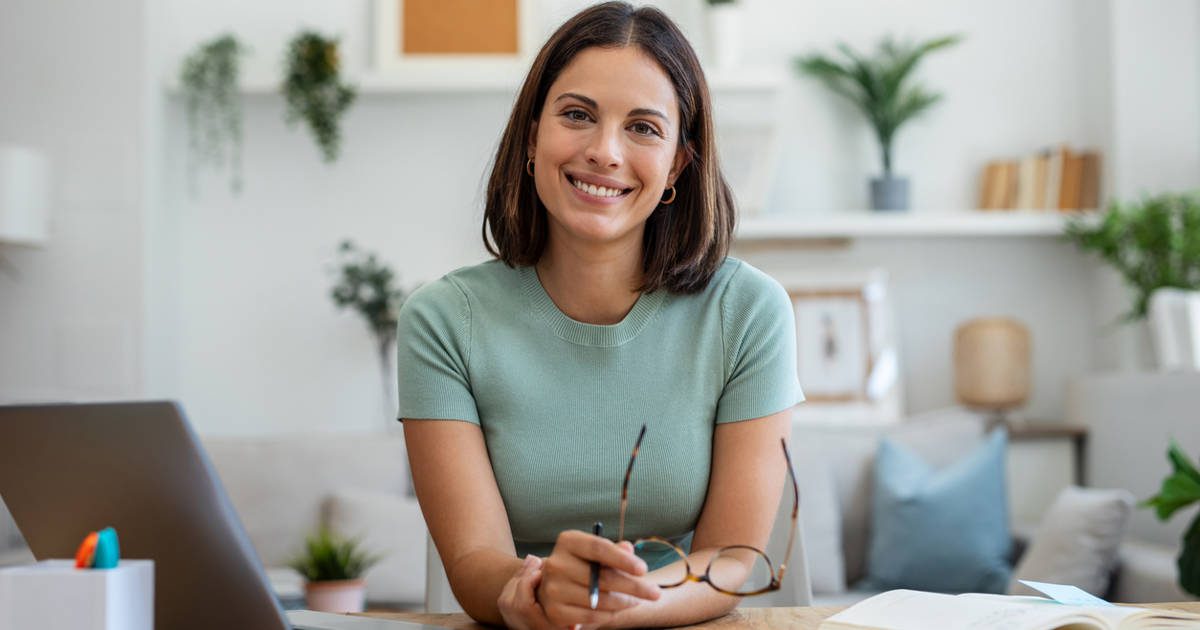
pixel 800 618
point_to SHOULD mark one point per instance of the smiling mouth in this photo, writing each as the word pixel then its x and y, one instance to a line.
pixel 598 191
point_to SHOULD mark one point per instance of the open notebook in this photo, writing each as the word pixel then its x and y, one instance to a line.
pixel 917 610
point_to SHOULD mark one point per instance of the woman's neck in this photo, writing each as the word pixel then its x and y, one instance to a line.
pixel 592 286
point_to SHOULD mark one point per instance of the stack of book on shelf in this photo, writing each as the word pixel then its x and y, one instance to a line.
pixel 1052 179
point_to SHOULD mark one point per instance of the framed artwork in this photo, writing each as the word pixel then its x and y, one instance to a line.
pixel 847 355
pixel 471 37
pixel 833 345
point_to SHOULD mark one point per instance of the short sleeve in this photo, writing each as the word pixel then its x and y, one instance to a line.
pixel 433 342
pixel 759 330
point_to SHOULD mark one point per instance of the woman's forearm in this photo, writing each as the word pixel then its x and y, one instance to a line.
pixel 693 602
pixel 477 580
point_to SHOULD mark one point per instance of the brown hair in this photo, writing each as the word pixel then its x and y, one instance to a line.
pixel 684 242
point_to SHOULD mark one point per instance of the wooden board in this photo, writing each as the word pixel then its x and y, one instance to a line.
pixel 459 27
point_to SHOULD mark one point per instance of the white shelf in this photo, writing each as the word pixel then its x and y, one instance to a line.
pixel 913 223
pixel 485 80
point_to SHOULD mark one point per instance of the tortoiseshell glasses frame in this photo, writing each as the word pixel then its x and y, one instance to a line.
pixel 706 577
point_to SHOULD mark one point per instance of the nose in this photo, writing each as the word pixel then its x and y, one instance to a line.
pixel 604 149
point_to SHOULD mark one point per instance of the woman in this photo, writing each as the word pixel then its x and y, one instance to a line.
pixel 612 304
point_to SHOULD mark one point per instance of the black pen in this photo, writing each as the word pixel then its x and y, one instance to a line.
pixel 594 590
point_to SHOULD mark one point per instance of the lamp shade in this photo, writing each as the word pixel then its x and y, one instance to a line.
pixel 24 195
pixel 991 363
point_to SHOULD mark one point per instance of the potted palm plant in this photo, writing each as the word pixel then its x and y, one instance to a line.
pixel 1154 244
pixel 880 87
pixel 333 567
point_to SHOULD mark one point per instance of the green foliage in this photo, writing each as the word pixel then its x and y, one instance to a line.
pixel 209 76
pixel 366 285
pixel 328 556
pixel 879 85
pixel 1154 243
pixel 313 89
pixel 1179 490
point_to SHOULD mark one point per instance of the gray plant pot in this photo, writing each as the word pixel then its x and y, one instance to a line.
pixel 889 193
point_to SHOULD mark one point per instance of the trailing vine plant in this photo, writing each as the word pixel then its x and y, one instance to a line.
pixel 209 76
pixel 314 91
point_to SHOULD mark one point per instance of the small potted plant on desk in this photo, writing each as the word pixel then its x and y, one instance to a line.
pixel 333 567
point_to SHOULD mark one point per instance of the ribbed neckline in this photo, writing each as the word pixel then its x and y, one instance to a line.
pixel 600 336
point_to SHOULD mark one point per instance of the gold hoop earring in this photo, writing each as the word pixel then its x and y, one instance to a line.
pixel 667 202
pixel 529 167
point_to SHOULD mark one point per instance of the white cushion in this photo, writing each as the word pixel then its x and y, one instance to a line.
pixel 1077 541
pixel 389 525
pixel 277 483
pixel 820 519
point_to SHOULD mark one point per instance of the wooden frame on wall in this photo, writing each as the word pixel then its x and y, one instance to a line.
pixel 834 352
pixel 471 38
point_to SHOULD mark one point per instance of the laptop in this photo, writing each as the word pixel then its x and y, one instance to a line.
pixel 67 469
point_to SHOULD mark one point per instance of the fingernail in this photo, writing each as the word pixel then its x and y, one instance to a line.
pixel 530 560
pixel 577 626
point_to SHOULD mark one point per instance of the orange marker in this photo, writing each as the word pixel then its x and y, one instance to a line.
pixel 86 552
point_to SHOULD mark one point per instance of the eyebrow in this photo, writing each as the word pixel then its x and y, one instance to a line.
pixel 640 111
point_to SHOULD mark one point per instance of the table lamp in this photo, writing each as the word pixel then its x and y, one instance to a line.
pixel 991 365
pixel 24 196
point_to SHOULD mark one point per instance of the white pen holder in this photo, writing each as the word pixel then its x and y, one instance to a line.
pixel 54 595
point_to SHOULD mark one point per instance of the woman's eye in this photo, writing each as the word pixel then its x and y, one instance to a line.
pixel 644 129
pixel 576 115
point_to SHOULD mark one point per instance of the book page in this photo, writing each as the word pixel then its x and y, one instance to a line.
pixel 915 610
pixel 1122 617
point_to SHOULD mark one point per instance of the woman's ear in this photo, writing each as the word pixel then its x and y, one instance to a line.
pixel 531 141
pixel 683 157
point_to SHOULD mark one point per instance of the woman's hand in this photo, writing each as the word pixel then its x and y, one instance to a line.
pixel 518 603
pixel 566 576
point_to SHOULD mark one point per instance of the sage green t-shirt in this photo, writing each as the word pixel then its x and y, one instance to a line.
pixel 560 402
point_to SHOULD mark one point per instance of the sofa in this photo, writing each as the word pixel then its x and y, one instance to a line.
pixel 835 465
pixel 285 487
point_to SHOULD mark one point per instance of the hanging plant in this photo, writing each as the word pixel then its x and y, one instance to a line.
pixel 368 286
pixel 209 77
pixel 313 89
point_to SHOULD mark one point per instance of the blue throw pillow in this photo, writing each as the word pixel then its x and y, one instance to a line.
pixel 940 530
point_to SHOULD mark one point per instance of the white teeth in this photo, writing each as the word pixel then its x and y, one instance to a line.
pixel 596 191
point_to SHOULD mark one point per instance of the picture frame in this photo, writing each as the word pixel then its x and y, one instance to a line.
pixel 847 357
pixel 833 345
pixel 469 40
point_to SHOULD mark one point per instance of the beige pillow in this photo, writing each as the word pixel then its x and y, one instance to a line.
pixel 1077 541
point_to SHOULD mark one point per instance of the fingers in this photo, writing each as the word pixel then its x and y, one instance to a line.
pixel 518 600
pixel 566 592
pixel 566 580
pixel 591 548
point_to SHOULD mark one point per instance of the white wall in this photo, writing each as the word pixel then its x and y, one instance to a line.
pixel 260 347
pixel 71 315
pixel 229 310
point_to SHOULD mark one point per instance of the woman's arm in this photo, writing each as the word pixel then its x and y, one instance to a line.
pixel 746 482
pixel 455 485
pixel 453 480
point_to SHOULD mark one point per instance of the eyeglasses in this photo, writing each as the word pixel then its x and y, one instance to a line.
pixel 727 570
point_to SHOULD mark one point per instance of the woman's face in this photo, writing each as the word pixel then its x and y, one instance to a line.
pixel 604 148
